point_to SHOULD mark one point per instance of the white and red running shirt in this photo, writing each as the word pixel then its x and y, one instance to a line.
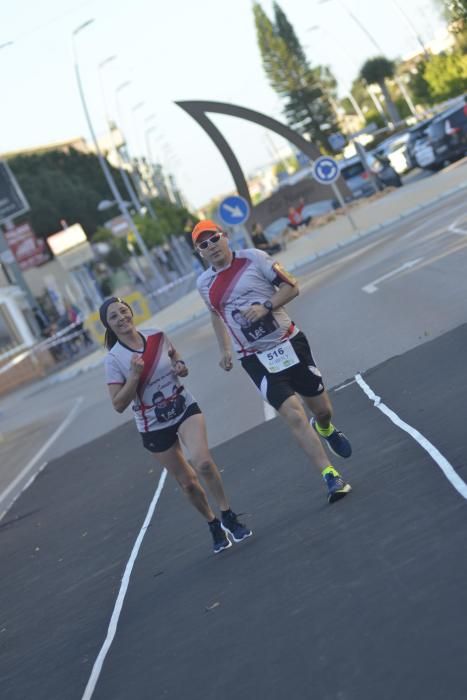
pixel 160 400
pixel 251 278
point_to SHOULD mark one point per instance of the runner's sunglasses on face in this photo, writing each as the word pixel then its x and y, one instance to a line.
pixel 215 238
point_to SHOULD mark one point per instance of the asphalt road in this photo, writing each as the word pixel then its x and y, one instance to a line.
pixel 365 599
pixel 360 600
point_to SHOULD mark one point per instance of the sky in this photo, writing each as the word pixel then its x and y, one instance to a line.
pixel 177 50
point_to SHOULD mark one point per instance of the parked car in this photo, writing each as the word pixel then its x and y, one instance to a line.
pixel 423 154
pixel 358 178
pixel 447 135
pixel 395 149
pixel 416 134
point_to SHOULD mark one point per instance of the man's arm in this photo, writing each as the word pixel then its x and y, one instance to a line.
pixel 223 340
pixel 284 294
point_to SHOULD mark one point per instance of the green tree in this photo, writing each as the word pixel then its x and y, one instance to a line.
pixel 440 78
pixel 303 89
pixel 455 11
pixel 377 71
pixel 446 76
pixel 60 185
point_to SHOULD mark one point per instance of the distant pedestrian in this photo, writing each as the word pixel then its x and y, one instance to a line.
pixel 262 243
pixel 296 218
pixel 245 292
pixel 143 369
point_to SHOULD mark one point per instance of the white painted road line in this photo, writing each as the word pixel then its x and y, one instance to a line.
pixel 371 287
pixel 5 495
pixel 97 668
pixel 344 386
pixel 454 228
pixel 445 466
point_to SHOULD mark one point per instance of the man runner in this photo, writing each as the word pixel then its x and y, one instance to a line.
pixel 246 292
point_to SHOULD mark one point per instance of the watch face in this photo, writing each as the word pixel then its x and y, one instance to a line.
pixel 267 305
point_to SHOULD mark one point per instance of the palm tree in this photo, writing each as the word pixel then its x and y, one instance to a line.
pixel 378 70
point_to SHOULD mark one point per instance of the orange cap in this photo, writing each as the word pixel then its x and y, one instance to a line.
pixel 202 226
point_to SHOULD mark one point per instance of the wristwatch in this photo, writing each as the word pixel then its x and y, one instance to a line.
pixel 267 305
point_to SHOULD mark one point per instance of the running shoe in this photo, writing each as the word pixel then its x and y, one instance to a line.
pixel 220 539
pixel 237 530
pixel 337 442
pixel 337 488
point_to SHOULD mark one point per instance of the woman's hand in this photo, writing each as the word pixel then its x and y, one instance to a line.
pixel 179 368
pixel 136 365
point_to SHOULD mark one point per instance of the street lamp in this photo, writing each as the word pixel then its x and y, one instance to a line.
pixel 100 68
pixel 103 163
pixel 5 44
pixel 135 130
pixel 120 160
pixel 108 204
pixel 118 90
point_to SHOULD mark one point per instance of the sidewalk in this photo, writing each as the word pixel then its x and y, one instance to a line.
pixel 368 217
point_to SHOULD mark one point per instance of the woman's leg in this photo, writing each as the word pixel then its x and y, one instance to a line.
pixel 175 463
pixel 193 435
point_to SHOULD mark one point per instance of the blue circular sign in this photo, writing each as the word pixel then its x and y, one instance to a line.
pixel 325 170
pixel 234 210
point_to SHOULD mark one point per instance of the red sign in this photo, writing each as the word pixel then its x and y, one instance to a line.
pixel 28 250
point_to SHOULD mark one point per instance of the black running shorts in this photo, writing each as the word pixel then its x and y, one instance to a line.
pixel 163 439
pixel 304 378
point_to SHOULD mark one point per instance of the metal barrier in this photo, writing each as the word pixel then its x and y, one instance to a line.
pixel 171 292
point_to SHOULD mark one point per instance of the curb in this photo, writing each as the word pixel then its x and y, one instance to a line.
pixel 380 227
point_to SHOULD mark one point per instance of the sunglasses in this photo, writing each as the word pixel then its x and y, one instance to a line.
pixel 210 241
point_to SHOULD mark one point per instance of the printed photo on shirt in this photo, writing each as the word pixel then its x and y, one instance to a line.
pixel 166 409
pixel 253 330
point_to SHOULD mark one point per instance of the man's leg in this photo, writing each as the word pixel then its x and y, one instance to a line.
pixel 321 408
pixel 294 415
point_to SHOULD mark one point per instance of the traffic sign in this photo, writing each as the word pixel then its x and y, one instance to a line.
pixel 325 170
pixel 234 210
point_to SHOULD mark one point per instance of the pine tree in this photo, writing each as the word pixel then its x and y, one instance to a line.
pixel 303 89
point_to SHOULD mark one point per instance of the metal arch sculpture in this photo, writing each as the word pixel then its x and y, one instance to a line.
pixel 198 110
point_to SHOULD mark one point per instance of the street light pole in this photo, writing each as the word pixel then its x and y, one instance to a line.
pixel 103 163
pixel 140 177
pixel 123 173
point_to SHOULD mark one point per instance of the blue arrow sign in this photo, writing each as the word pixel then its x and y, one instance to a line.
pixel 325 170
pixel 234 210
